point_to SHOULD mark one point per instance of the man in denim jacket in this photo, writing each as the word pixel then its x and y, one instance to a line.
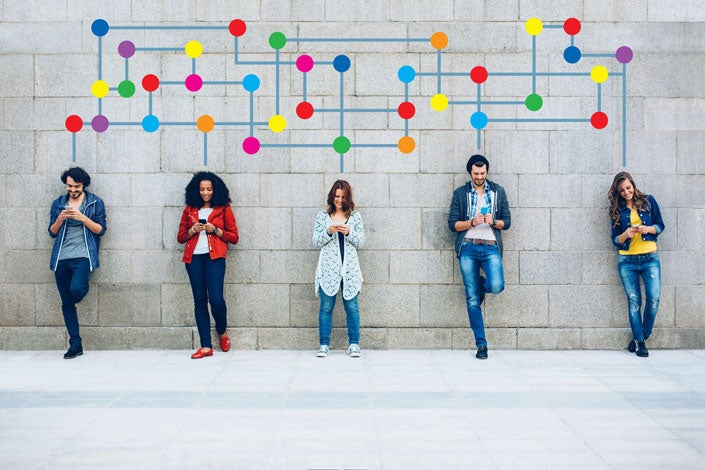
pixel 77 221
pixel 478 212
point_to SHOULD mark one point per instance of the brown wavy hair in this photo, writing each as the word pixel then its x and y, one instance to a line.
pixel 348 205
pixel 639 199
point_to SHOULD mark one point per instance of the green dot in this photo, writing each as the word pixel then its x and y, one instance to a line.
pixel 277 40
pixel 126 88
pixel 341 144
pixel 534 102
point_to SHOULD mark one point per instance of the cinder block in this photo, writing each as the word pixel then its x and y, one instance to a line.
pixel 287 338
pixel 443 306
pixel 518 306
pixel 436 235
pixel 265 228
pixel 33 338
pixel 28 267
pixel 605 338
pixel 690 306
pixel 244 191
pixel 421 267
pixel 675 338
pixel 690 144
pixel 177 305
pixel 291 190
pixel 182 150
pixel 23 239
pixel 612 10
pixel 122 238
pixel 389 305
pixel 164 189
pixel 497 338
pixel 535 193
pixel 49 306
pixel 243 266
pixel 19 70
pixel 149 266
pixel 105 338
pixel 571 230
pixel 548 338
pixel 303 221
pixel 688 219
pixel 584 306
pixel 129 304
pixel 421 190
pixel 258 304
pixel 550 267
pixel 419 338
pixel 304 305
pixel 688 265
pixel 369 190
pixel 179 10
pixel 375 266
pixel 115 266
pixel 518 152
pixel 600 268
pixel 530 230
pixel 596 150
pixel 365 11
pixel 289 266
pixel 382 233
pixel 160 338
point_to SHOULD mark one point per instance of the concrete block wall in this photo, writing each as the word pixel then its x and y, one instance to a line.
pixel 562 290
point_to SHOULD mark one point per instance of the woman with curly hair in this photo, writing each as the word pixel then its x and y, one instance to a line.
pixel 636 225
pixel 207 226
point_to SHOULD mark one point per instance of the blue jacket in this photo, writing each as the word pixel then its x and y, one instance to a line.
pixel 649 215
pixel 95 210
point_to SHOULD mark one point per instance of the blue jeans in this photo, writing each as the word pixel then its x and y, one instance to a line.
pixel 472 258
pixel 72 281
pixel 649 268
pixel 207 277
pixel 325 318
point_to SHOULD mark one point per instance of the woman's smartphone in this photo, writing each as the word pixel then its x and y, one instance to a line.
pixel 202 221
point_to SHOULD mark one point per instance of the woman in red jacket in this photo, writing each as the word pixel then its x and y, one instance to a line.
pixel 207 226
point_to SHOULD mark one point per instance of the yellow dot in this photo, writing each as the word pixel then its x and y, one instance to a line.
pixel 205 123
pixel 439 40
pixel 193 49
pixel 406 144
pixel 277 123
pixel 534 26
pixel 439 102
pixel 599 74
pixel 100 89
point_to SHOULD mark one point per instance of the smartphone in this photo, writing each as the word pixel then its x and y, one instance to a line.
pixel 485 210
pixel 68 208
pixel 202 221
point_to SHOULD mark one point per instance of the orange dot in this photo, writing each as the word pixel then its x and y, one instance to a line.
pixel 205 123
pixel 439 40
pixel 406 144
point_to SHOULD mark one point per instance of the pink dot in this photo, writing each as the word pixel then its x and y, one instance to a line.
pixel 193 82
pixel 250 145
pixel 304 63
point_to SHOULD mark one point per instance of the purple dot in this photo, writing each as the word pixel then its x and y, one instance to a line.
pixel 304 63
pixel 624 55
pixel 126 49
pixel 100 123
pixel 193 82
pixel 251 145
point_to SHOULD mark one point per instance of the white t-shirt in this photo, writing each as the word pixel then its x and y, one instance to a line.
pixel 202 245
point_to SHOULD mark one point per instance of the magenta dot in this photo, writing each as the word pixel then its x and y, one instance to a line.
pixel 304 63
pixel 624 55
pixel 126 49
pixel 193 82
pixel 100 123
pixel 250 145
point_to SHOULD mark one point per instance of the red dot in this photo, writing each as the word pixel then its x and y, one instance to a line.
pixel 150 82
pixel 478 74
pixel 237 27
pixel 304 110
pixel 598 120
pixel 406 110
pixel 74 123
pixel 571 26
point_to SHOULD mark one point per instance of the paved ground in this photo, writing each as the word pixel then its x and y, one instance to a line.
pixel 386 410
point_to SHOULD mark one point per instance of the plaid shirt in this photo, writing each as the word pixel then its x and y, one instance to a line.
pixel 473 198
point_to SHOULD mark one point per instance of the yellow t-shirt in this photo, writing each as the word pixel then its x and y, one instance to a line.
pixel 638 246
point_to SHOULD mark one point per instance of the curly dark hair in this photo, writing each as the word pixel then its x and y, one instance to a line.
pixel 639 200
pixel 348 205
pixel 221 194
pixel 78 174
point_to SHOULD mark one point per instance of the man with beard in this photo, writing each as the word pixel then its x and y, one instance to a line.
pixel 77 221
pixel 478 212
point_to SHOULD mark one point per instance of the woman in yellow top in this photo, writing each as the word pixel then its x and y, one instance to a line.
pixel 636 225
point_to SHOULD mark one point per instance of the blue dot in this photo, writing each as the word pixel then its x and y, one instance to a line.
pixel 150 123
pixel 341 63
pixel 100 27
pixel 571 54
pixel 406 74
pixel 478 120
pixel 250 82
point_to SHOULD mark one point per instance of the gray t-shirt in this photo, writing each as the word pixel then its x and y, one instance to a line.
pixel 74 243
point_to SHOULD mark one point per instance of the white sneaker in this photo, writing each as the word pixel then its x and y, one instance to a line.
pixel 354 350
pixel 322 351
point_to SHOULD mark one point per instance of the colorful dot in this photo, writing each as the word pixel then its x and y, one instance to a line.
pixel 624 55
pixel 406 74
pixel 100 27
pixel 237 27
pixel 599 74
pixel 251 145
pixel 599 120
pixel 277 40
pixel 277 123
pixel 193 49
pixel 100 89
pixel 100 123
pixel 439 40
pixel 533 102
pixel 439 102
pixel 126 49
pixel 478 74
pixel 304 110
pixel 406 144
pixel 126 88
pixel 478 120
pixel 341 144
pixel 304 63
pixel 193 82
pixel 150 123
pixel 534 26
pixel 406 110
pixel 341 63
pixel 571 26
pixel 251 83
pixel 205 123
pixel 150 82
pixel 74 123
pixel 572 54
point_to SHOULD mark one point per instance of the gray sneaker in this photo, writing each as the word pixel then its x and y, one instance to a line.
pixel 354 350
pixel 322 351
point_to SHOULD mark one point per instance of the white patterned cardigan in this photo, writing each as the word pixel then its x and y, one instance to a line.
pixel 330 268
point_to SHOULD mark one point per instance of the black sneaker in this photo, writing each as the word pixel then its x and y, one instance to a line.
pixel 632 346
pixel 481 352
pixel 641 350
pixel 73 353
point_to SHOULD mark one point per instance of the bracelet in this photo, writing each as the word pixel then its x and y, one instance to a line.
pixel 215 231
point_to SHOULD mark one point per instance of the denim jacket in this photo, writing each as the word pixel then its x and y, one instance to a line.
pixel 650 215
pixel 95 210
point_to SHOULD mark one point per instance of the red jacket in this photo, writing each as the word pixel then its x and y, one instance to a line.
pixel 222 217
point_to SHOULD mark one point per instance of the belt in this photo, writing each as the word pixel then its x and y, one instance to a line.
pixel 480 241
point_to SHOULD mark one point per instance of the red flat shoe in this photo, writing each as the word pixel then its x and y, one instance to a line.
pixel 201 353
pixel 224 343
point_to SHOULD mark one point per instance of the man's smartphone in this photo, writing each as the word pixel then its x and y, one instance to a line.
pixel 202 221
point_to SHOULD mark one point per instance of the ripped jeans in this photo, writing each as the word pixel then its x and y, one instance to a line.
pixel 648 267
